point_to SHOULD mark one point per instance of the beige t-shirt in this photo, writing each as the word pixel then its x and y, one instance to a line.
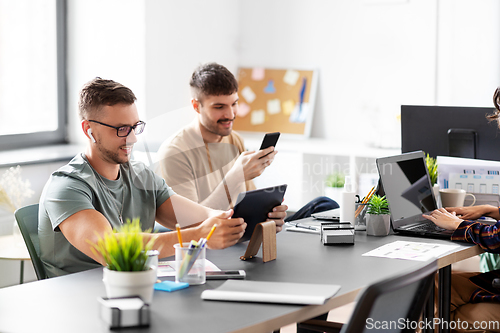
pixel 203 172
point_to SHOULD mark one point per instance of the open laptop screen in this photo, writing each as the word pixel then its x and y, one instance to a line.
pixel 406 184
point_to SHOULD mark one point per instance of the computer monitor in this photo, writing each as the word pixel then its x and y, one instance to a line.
pixel 450 131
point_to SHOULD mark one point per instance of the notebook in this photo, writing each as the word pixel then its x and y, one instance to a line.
pixel 408 190
pixel 271 292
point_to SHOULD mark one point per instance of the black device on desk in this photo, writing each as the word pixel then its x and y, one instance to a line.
pixel 270 140
pixel 224 275
pixel 253 206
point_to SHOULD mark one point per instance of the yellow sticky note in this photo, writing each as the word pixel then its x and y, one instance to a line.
pixel 288 107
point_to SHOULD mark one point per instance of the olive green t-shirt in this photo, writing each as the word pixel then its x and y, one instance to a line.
pixel 137 193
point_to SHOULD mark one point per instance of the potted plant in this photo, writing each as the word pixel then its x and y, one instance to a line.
pixel 127 271
pixel 334 185
pixel 378 218
pixel 432 168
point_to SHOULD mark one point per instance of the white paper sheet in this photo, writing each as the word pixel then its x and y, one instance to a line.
pixel 410 250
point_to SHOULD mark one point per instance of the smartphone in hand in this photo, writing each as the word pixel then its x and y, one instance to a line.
pixel 270 139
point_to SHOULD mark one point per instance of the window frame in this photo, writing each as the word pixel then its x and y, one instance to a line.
pixel 59 136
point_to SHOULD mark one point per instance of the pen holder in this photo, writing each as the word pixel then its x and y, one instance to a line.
pixel 360 221
pixel 190 264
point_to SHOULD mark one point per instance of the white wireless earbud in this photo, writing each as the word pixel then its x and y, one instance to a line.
pixel 89 132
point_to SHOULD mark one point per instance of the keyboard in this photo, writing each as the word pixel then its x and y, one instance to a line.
pixel 426 227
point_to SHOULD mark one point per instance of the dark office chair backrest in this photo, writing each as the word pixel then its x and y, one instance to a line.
pixel 397 301
pixel 27 219
pixel 393 300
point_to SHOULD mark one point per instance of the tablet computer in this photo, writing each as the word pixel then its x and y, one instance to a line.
pixel 253 206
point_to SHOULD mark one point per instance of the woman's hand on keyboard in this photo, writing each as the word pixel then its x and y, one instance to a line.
pixel 444 219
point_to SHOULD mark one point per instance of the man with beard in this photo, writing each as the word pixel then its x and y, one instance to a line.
pixel 206 161
pixel 102 188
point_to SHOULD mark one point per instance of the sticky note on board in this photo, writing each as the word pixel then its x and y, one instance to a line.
pixel 288 107
pixel 258 73
pixel 291 77
pixel 258 117
pixel 270 89
pixel 248 94
pixel 273 106
pixel 243 109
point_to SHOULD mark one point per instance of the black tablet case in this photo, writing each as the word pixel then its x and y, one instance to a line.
pixel 253 206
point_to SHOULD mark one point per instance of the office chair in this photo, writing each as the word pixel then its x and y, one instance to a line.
pixel 396 299
pixel 27 219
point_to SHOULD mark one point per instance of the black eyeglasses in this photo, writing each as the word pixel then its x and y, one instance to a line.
pixel 123 131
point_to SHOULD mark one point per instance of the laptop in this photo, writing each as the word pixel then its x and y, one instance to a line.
pixel 329 215
pixel 408 190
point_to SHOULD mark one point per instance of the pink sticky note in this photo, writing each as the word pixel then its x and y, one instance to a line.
pixel 243 109
pixel 258 74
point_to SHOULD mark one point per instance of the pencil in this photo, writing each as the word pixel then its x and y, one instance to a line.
pixel 178 228
pixel 211 232
pixel 365 200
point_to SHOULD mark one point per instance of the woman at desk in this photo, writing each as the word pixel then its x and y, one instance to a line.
pixel 468 302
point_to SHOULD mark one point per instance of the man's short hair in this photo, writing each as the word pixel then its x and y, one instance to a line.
pixel 99 92
pixel 212 80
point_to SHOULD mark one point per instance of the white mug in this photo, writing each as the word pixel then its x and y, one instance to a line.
pixel 451 197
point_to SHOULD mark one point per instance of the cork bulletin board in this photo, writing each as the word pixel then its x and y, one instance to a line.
pixel 276 100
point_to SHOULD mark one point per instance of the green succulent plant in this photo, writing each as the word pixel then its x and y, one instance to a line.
pixel 432 167
pixel 124 249
pixel 336 179
pixel 378 205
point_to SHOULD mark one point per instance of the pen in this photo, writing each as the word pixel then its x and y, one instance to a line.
pixel 178 228
pixel 298 225
pixel 365 200
pixel 211 232
pixel 306 227
pixel 185 262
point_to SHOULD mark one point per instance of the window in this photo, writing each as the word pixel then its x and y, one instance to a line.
pixel 32 73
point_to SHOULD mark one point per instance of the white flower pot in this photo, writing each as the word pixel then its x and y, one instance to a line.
pixel 378 225
pixel 124 284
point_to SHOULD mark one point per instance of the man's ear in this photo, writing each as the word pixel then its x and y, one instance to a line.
pixel 196 105
pixel 85 126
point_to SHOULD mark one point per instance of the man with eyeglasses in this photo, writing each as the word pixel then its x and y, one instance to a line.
pixel 102 188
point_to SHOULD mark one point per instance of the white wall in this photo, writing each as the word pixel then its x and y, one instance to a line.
pixel 105 39
pixel 181 35
pixel 468 52
pixel 371 58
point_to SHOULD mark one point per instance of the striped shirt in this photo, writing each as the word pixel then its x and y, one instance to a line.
pixel 488 238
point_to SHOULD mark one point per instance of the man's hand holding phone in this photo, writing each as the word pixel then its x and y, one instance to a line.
pixel 270 140
pixel 254 163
